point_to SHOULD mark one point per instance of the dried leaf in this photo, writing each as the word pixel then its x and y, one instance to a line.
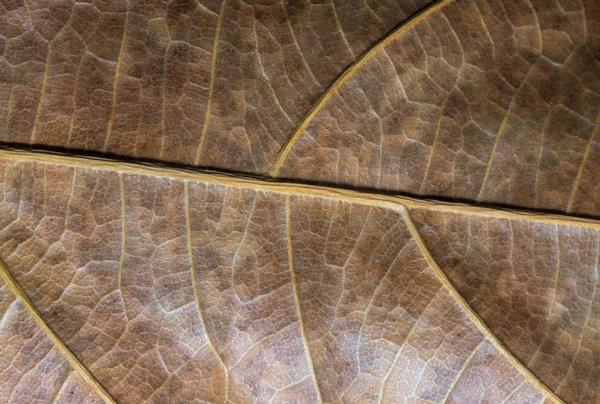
pixel 486 101
pixel 175 290
pixel 127 280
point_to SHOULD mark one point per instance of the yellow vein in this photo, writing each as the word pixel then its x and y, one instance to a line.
pixel 62 348
pixel 67 212
pixel 45 76
pixel 163 90
pixel 584 23
pixel 264 74
pixel 401 348
pixel 309 360
pixel 376 292
pixel 74 100
pixel 9 100
pixel 327 94
pixel 541 153
pixel 435 138
pixel 65 384
pixel 501 129
pixel 381 200
pixel 380 165
pixel 257 344
pixel 461 371
pixel 173 374
pixel 583 162
pixel 362 324
pixel 236 255
pixel 38 111
pixel 297 45
pixel 474 317
pixel 213 68
pixel 344 269
pixel 113 106
pixel 515 392
pixel 188 229
pixel 441 115
pixel 339 25
pixel 26 3
pixel 512 243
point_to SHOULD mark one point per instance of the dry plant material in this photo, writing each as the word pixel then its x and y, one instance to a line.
pixel 125 278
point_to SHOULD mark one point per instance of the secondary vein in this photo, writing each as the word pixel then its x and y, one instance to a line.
pixel 342 78
pixel 54 338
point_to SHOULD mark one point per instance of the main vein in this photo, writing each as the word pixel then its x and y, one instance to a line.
pixel 382 200
pixel 213 69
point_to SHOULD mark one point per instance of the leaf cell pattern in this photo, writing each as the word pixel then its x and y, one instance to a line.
pixel 129 274
pixel 193 291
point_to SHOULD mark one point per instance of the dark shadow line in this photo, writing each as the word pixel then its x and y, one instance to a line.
pixel 241 174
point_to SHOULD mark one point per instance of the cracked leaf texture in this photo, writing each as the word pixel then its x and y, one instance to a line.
pixel 130 274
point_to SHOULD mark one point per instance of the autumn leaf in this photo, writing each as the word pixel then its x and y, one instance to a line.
pixel 311 265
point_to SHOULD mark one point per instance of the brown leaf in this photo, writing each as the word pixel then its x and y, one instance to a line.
pixel 212 82
pixel 486 101
pixel 127 280
pixel 171 289
pixel 534 284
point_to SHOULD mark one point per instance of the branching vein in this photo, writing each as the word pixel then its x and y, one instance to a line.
pixel 474 317
pixel 327 94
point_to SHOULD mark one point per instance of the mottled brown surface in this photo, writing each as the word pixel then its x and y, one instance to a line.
pixel 167 286
pixel 534 284
pixel 175 291
pixel 31 369
pixel 489 101
pixel 217 83
pixel 484 100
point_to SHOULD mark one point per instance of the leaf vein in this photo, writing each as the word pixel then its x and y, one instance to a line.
pixel 54 338
pixel 309 360
pixel 474 317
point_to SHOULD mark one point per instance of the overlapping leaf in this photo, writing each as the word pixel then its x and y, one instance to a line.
pixel 480 100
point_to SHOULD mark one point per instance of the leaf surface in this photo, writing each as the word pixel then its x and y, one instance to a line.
pixel 215 83
pixel 485 101
pixel 534 284
pixel 184 290
pixel 32 368
pixel 130 275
